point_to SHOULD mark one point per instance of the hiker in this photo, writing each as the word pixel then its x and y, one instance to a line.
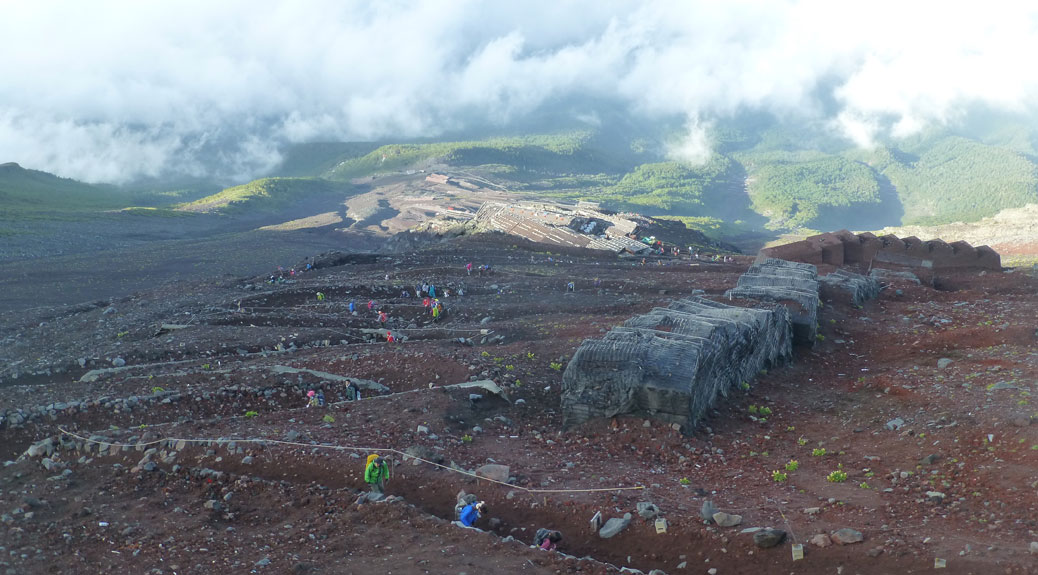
pixel 425 288
pixel 546 539
pixel 472 512
pixel 382 317
pixel 376 473
pixel 571 287
pixel 352 393
pixel 371 303
pixel 432 291
pixel 320 296
pixel 405 294
pixel 389 337
pixel 313 401
pixel 468 268
pixel 353 306
pixel 464 500
pixel 426 302
pixel 436 311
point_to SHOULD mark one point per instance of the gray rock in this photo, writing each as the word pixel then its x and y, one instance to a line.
pixel 118 362
pixel 247 460
pixel 292 435
pixel 150 466
pixel 895 424
pixel 493 471
pixel 727 519
pixel 263 562
pixel 612 527
pixel 943 363
pixel 647 510
pixel 847 536
pixel 769 537
pixel 214 505
pixel 821 540
pixel 935 496
pixel 707 511
pixel 485 320
pixel 930 459
pixel 1033 547
pixel 426 453
pixel 374 496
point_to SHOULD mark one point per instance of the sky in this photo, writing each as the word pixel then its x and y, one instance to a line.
pixel 113 91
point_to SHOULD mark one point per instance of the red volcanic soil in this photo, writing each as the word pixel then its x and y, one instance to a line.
pixel 215 373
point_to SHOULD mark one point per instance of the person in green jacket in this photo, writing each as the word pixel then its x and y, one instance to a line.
pixel 375 475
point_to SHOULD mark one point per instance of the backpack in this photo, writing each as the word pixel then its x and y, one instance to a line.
pixel 370 459
pixel 540 536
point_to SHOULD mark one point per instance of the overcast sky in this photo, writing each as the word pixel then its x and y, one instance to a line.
pixel 114 90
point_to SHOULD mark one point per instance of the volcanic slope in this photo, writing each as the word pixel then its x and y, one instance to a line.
pixel 229 363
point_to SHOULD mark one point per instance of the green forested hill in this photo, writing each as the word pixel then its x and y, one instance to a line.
pixel 957 179
pixel 266 194
pixel 565 152
pixel 24 191
pixel 798 194
pixel 762 174
pixel 683 188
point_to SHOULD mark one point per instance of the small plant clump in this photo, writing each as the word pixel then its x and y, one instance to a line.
pixel 157 389
pixel 555 365
pixel 779 476
pixel 802 441
pixel 466 438
pixel 328 419
pixel 792 465
pixel 251 414
pixel 684 481
pixel 838 476
pixel 818 452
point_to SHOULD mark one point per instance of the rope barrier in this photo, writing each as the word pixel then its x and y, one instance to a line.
pixel 352 448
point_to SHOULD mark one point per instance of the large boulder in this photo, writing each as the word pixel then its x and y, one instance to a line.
pixel 494 472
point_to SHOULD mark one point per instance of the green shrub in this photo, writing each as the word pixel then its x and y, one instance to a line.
pixel 838 476
pixel 251 414
pixel 792 465
pixel 819 452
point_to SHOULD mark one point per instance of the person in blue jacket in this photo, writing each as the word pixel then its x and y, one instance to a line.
pixel 472 512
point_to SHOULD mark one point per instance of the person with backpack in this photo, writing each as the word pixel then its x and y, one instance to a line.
pixel 471 513
pixel 352 393
pixel 546 539
pixel 376 473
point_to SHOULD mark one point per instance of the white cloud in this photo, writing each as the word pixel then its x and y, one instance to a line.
pixel 113 90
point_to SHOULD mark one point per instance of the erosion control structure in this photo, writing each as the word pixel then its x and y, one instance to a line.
pixel 792 284
pixel 671 364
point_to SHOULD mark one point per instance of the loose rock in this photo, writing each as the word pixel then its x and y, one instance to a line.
pixel 769 537
pixel 847 536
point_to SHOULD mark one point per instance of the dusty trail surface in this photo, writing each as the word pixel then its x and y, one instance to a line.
pixel 206 358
